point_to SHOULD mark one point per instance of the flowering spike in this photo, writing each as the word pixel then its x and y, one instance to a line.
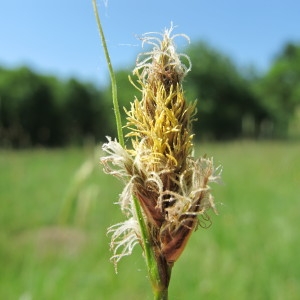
pixel 171 186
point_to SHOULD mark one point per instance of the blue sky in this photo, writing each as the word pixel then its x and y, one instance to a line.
pixel 60 36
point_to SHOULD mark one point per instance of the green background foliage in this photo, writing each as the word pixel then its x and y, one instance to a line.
pixel 53 241
pixel 279 91
pixel 225 98
pixel 250 252
pixel 39 110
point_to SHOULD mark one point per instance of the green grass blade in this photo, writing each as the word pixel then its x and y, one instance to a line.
pixel 112 77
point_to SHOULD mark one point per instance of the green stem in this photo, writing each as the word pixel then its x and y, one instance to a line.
pixel 161 295
pixel 158 269
pixel 112 77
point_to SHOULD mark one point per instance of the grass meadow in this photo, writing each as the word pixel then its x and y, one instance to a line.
pixel 53 242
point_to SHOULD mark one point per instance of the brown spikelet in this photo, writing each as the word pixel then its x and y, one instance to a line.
pixel 171 186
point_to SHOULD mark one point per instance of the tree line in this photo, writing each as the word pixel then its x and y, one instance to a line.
pixel 40 110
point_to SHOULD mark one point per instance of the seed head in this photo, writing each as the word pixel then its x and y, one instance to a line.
pixel 158 168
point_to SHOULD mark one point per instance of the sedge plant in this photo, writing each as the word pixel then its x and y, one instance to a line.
pixel 167 190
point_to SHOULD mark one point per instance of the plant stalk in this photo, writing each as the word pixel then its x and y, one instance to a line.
pixel 159 270
pixel 161 295
pixel 112 77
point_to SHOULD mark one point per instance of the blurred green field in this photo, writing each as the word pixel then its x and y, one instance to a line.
pixel 251 251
